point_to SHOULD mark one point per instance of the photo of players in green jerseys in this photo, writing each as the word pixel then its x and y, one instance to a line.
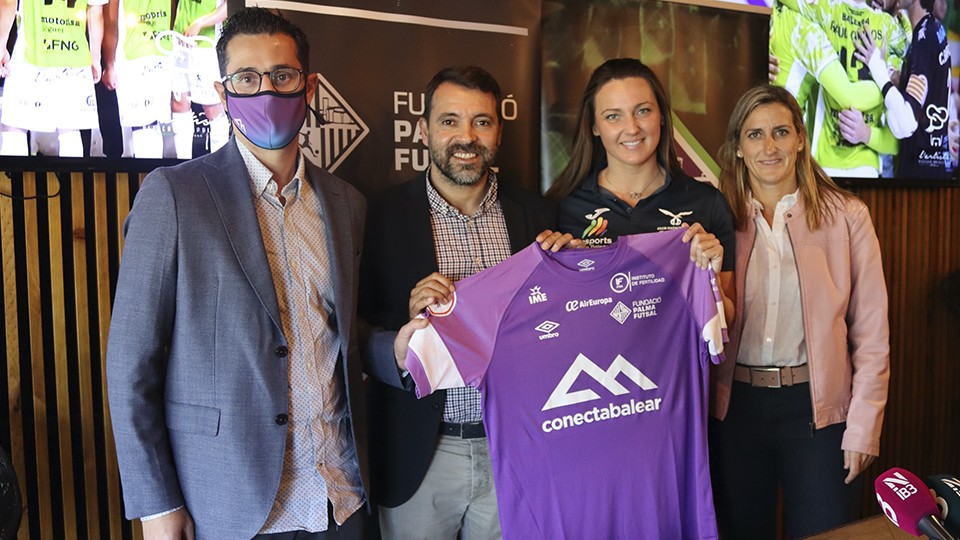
pixel 877 82
pixel 155 60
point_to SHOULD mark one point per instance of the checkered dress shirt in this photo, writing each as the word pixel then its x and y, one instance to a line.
pixel 466 245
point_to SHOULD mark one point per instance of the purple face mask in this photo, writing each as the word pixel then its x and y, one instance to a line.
pixel 268 119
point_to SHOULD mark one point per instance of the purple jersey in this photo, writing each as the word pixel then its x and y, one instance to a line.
pixel 593 367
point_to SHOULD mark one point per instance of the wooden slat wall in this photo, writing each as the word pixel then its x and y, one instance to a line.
pixel 919 231
pixel 59 255
pixel 60 243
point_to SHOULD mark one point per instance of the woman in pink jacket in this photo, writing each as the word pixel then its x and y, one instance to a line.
pixel 801 395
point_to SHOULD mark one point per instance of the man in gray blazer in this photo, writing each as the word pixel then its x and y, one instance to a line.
pixel 234 384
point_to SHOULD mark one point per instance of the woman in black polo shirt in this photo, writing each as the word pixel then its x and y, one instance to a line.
pixel 624 177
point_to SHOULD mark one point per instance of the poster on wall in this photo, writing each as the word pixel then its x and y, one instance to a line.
pixel 705 57
pixel 375 57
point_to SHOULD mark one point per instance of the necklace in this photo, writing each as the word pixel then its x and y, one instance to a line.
pixel 633 195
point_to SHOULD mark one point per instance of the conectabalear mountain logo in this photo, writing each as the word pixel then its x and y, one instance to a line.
pixel 329 141
pixel 562 395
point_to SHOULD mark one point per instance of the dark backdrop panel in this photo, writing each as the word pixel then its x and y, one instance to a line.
pixel 374 63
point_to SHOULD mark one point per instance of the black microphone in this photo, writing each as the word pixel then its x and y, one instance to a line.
pixel 946 492
pixel 909 505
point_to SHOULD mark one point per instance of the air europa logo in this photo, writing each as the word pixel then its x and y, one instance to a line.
pixel 562 396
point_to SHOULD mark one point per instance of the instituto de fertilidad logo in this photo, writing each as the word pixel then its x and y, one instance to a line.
pixel 563 396
pixel 329 141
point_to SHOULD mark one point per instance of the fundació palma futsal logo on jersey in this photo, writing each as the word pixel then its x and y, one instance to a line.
pixel 564 395
pixel 329 141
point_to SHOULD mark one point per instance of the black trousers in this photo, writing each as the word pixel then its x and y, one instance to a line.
pixel 768 441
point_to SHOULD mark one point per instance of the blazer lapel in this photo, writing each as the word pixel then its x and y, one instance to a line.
pixel 423 251
pixel 229 185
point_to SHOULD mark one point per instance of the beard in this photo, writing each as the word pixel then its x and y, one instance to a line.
pixel 462 174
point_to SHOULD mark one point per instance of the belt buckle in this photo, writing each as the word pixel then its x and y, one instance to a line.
pixel 767 370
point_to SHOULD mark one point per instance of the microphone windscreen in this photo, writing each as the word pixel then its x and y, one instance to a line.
pixel 904 499
pixel 946 491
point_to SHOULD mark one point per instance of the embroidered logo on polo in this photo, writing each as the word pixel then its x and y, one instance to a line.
pixel 597 228
pixel 675 219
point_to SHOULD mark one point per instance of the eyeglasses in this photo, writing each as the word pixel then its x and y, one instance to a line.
pixel 285 80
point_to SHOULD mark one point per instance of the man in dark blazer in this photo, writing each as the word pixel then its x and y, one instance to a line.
pixel 422 460
pixel 234 378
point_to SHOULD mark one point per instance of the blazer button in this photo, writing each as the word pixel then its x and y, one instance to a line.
pixel 436 406
pixel 281 352
pixel 281 419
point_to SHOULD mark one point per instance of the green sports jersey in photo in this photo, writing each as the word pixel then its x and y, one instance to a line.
pixel 841 21
pixel 144 19
pixel 54 33
pixel 802 49
pixel 191 10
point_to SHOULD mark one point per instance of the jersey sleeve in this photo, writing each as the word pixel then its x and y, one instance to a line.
pixel 456 348
pixel 708 308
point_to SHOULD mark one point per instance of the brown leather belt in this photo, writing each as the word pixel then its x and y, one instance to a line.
pixel 771 377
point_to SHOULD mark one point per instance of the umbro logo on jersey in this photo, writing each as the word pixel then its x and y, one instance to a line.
pixel 620 312
pixel 537 296
pixel 546 328
pixel 675 219
pixel 562 395
pixel 586 265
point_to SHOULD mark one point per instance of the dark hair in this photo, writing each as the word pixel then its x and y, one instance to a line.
pixel 588 149
pixel 817 189
pixel 256 20
pixel 472 77
pixel 928 4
